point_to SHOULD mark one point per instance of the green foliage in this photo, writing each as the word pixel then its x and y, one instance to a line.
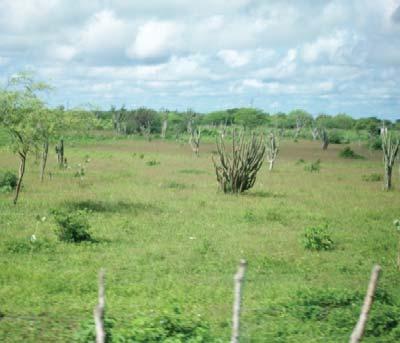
pixel 250 117
pixel 375 143
pixel 192 171
pixel 72 227
pixel 313 167
pixel 28 245
pixel 317 238
pixel 169 327
pixel 335 137
pixel 80 171
pixel 317 304
pixel 340 308
pixel 374 177
pixel 152 163
pixel 347 152
pixel 396 224
pixel 175 185
pixel 87 332
pixel 8 181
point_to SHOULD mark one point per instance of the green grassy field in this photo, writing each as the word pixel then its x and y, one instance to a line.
pixel 167 236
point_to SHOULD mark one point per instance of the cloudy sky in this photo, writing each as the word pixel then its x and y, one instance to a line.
pixel 323 56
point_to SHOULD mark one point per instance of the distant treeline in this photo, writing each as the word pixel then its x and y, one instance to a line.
pixel 127 121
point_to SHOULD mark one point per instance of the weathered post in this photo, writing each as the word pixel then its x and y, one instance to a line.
pixel 99 311
pixel 359 329
pixel 238 284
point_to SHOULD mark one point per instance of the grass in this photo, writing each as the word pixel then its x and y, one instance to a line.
pixel 167 236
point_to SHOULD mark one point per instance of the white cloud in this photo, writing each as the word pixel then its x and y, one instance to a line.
pixel 233 58
pixel 4 61
pixel 62 52
pixel 104 31
pixel 155 39
pixel 283 69
pixel 337 48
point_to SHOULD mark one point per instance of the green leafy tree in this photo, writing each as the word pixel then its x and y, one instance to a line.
pixel 250 117
pixel 21 111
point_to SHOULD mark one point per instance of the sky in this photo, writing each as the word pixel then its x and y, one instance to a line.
pixel 277 55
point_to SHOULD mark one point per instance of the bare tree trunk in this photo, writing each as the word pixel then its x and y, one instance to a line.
pixel 388 177
pixel 45 153
pixel 238 283
pixel 271 165
pixel 99 311
pixel 390 148
pixel 22 156
pixel 325 139
pixel 60 153
pixel 164 128
pixel 194 140
pixel 359 329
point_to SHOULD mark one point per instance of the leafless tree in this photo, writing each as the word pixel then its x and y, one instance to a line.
pixel 390 148
pixel 194 140
pixel 272 150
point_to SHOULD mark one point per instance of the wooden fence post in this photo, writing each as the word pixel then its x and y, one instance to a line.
pixel 359 329
pixel 99 310
pixel 238 282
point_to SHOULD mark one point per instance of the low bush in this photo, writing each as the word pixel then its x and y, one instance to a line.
pixel 152 163
pixel 335 137
pixel 313 167
pixel 168 327
pixel 87 333
pixel 347 152
pixel 175 185
pixel 317 238
pixel 8 181
pixel 375 143
pixel 341 308
pixel 72 227
pixel 374 177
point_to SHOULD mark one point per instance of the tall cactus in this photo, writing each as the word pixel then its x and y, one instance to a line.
pixel 194 140
pixel 237 169
pixel 390 148
pixel 272 150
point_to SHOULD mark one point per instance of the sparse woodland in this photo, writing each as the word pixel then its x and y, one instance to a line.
pixel 147 195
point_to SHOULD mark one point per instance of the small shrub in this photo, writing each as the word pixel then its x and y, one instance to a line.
pixel 175 185
pixel 87 332
pixel 300 161
pixel 313 167
pixel 8 181
pixel 375 143
pixel 152 163
pixel 170 326
pixel 317 238
pixel 347 152
pixel 317 304
pixel 335 137
pixel 249 216
pixel 72 227
pixel 28 245
pixel 192 171
pixel 374 177
pixel 80 172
